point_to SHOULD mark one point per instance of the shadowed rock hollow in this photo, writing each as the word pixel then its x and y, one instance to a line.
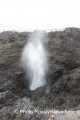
pixel 62 90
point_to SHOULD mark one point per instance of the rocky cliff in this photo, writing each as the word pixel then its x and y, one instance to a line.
pixel 62 90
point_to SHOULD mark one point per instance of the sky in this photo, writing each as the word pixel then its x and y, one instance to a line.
pixel 26 15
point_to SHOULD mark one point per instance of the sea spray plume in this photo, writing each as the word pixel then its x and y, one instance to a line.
pixel 34 60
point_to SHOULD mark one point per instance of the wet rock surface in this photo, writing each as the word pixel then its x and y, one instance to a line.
pixel 62 90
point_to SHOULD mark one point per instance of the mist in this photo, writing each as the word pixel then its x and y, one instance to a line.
pixel 34 61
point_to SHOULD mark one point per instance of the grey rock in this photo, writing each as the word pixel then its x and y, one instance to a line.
pixel 63 78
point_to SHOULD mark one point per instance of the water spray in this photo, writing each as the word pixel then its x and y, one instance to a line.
pixel 34 60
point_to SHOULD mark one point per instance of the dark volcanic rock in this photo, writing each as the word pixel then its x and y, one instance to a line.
pixel 62 90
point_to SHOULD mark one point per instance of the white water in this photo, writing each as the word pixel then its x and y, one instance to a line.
pixel 34 61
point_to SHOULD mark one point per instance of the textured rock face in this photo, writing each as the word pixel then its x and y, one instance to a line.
pixel 62 90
